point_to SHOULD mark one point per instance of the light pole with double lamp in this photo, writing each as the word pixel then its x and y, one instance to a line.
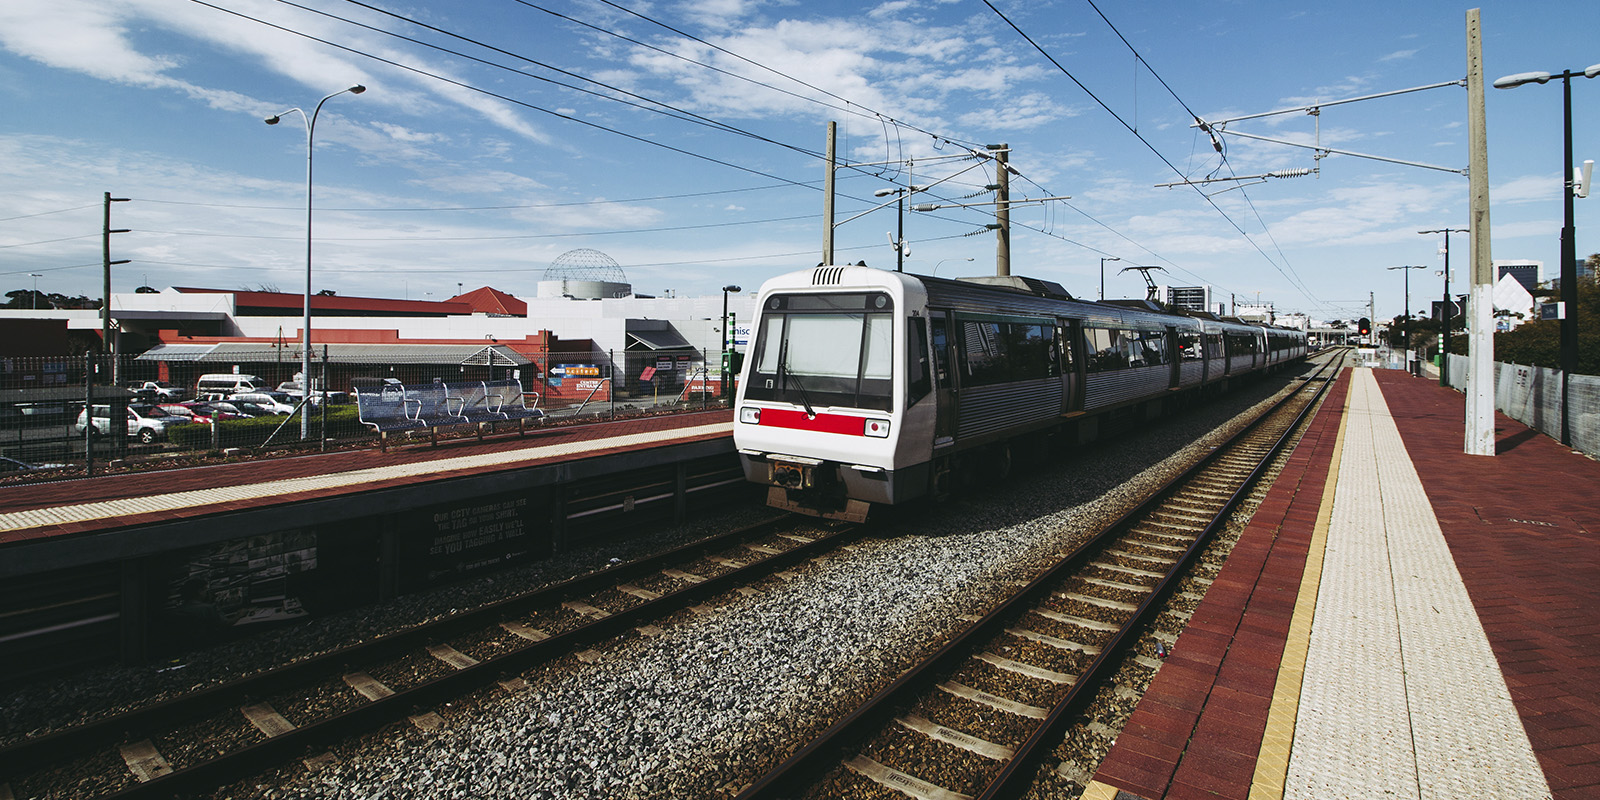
pixel 1569 257
pixel 1406 329
pixel 305 333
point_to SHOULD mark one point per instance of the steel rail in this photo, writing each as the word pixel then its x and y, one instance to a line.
pixel 374 714
pixel 1016 777
pixel 28 754
pixel 827 748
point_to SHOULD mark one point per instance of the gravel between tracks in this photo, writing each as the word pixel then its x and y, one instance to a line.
pixel 701 708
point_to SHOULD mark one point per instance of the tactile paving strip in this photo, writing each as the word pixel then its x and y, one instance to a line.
pixel 1402 696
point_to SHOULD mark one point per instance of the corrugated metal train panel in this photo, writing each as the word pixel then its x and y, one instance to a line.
pixel 987 409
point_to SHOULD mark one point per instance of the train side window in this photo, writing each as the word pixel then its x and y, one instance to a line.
pixel 1032 350
pixel 1147 348
pixel 1063 346
pixel 1189 345
pixel 1108 348
pixel 919 381
pixel 984 353
pixel 941 350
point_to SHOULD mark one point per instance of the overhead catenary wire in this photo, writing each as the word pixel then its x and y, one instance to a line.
pixel 1131 129
pixel 850 105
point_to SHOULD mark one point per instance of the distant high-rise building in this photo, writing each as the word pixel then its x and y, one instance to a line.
pixel 1194 298
pixel 1526 272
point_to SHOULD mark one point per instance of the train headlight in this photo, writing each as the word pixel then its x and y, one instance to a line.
pixel 877 428
pixel 751 416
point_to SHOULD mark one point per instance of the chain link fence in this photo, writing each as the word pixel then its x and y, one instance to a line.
pixel 179 401
pixel 1532 396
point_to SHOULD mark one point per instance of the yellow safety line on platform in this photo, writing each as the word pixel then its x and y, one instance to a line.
pixel 1272 763
pixel 85 512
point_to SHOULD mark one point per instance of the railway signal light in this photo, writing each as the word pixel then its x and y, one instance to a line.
pixel 1364 327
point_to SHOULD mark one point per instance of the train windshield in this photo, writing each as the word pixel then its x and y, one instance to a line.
pixel 825 350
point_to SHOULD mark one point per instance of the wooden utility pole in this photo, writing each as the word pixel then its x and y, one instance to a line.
pixel 827 199
pixel 1480 306
pixel 1002 210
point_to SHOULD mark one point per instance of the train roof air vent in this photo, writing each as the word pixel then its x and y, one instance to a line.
pixel 827 276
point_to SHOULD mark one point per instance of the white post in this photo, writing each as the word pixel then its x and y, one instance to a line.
pixel 1480 306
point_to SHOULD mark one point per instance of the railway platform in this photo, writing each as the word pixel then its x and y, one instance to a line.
pixel 1398 620
pixel 95 570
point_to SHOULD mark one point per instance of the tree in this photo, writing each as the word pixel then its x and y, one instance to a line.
pixel 26 298
pixel 1538 343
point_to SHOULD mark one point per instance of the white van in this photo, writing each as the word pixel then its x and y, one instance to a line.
pixel 227 383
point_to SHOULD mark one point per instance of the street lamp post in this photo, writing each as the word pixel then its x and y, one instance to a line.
pixel 35 297
pixel 1406 329
pixel 1444 311
pixel 305 333
pixel 727 362
pixel 942 260
pixel 1103 275
pixel 1569 259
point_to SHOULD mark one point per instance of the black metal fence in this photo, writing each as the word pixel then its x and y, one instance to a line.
pixel 57 411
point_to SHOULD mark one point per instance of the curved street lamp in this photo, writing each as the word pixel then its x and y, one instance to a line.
pixel 1103 275
pixel 1569 255
pixel 305 333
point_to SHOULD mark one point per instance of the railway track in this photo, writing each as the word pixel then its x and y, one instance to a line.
pixel 223 734
pixel 976 718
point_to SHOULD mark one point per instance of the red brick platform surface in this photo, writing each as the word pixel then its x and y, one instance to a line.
pixel 1522 528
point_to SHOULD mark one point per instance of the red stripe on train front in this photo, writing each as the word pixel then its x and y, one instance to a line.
pixel 822 423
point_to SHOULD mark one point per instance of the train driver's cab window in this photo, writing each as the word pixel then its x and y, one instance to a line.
pixel 817 350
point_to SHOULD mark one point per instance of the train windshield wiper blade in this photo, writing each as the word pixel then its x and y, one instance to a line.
pixel 784 371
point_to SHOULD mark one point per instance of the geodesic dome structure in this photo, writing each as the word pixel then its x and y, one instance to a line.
pixel 584 274
pixel 585 264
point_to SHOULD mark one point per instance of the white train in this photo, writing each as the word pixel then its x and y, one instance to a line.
pixel 863 386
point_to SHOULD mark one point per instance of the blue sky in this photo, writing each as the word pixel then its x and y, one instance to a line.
pixel 449 171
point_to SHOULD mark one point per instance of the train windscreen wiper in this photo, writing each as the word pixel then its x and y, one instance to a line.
pixel 783 370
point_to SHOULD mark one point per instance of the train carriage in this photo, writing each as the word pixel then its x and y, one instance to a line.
pixel 871 387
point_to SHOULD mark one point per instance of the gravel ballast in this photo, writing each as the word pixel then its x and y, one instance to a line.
pixel 704 706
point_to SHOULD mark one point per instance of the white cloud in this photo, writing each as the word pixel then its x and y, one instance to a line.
pixel 96 38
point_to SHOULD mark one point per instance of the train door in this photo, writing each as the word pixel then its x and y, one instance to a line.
pixel 944 427
pixel 1175 357
pixel 1068 335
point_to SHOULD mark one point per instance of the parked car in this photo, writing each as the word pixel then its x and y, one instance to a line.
pixel 146 422
pixel 226 383
pixel 158 390
pixel 197 412
pixel 293 390
pixel 276 402
pixel 244 409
